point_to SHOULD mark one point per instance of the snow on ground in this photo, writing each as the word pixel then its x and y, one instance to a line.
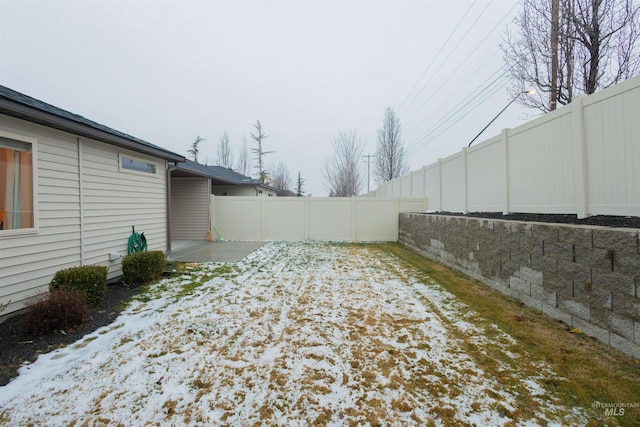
pixel 294 334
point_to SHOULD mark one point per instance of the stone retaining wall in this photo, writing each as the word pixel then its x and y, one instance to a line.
pixel 586 276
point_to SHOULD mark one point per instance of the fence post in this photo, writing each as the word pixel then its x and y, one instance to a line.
pixel 505 151
pixel 580 170
pixel 306 218
pixel 424 181
pixel 440 208
pixel 212 212
pixel 353 218
pixel 263 215
pixel 465 172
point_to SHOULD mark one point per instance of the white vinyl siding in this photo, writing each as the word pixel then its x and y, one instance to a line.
pixel 28 262
pixel 114 201
pixel 86 208
pixel 189 208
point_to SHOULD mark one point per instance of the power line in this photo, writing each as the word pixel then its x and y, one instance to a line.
pixel 458 112
pixel 434 59
pixel 466 59
pixel 451 51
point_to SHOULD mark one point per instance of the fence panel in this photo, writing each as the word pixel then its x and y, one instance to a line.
pixel 486 177
pixel 311 218
pixel 541 156
pixel 432 186
pixel 417 184
pixel 453 183
pixel 612 126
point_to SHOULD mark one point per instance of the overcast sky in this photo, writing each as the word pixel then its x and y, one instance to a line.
pixel 169 71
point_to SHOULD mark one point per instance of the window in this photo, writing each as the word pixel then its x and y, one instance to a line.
pixel 16 184
pixel 128 163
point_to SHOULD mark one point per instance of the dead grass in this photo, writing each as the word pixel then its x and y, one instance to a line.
pixel 593 371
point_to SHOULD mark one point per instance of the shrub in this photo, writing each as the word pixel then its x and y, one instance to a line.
pixel 142 267
pixel 59 309
pixel 91 280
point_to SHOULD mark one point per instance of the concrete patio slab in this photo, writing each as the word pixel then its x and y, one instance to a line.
pixel 203 251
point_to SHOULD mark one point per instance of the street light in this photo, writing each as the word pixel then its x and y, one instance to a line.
pixel 529 92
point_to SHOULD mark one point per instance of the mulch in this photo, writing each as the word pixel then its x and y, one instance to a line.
pixel 18 346
pixel 601 220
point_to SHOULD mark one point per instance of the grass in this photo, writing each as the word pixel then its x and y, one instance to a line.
pixel 594 372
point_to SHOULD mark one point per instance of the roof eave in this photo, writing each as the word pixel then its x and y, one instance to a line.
pixel 21 111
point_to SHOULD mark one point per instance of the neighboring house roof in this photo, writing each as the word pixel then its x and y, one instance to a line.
pixel 24 107
pixel 286 193
pixel 219 174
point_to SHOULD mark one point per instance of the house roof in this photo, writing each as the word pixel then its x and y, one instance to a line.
pixel 219 174
pixel 16 104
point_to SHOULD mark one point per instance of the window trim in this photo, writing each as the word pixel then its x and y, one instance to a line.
pixel 121 156
pixel 34 182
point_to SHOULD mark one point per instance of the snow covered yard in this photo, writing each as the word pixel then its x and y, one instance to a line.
pixel 294 334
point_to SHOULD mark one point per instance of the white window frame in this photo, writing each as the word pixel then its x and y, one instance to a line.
pixel 122 156
pixel 34 182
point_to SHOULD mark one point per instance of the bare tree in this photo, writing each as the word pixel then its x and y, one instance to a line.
pixel 342 173
pixel 259 152
pixel 390 160
pixel 299 185
pixel 225 156
pixel 569 47
pixel 244 161
pixel 280 176
pixel 195 148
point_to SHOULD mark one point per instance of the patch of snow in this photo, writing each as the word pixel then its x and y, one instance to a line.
pixel 293 333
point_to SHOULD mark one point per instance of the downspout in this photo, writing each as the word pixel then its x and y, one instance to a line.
pixel 169 170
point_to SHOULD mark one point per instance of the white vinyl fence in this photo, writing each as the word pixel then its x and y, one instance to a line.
pixel 353 219
pixel 583 159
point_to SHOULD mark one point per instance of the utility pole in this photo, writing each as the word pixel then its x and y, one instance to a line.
pixel 368 157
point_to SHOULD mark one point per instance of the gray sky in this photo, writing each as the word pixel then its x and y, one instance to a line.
pixel 169 71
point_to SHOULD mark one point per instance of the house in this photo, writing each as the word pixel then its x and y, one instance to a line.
pixel 192 185
pixel 71 191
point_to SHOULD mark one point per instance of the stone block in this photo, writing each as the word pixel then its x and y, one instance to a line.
pixel 547 298
pixel 511 241
pixel 553 312
pixel 625 346
pixel 590 329
pixel 593 257
pixel 620 241
pixel 502 228
pixel 512 268
pixel 522 229
pixel 555 284
pixel 626 306
pixel 626 264
pixel 612 281
pixel 574 271
pixel 531 275
pixel 636 333
pixel 530 302
pixel 575 308
pixel 548 233
pixel 613 322
pixel 560 250
pixel 547 265
pixel 521 258
pixel 519 285
pixel 579 236
pixel 531 245
pixel 597 294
